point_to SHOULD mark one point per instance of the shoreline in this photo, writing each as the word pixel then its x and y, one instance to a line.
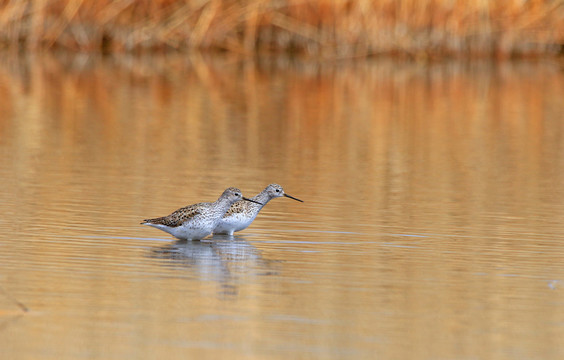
pixel 314 28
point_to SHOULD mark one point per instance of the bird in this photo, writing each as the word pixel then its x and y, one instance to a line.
pixel 241 214
pixel 195 222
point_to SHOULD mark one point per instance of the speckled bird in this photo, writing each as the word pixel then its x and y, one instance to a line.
pixel 241 214
pixel 195 222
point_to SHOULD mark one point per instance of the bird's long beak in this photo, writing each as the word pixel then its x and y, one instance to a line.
pixel 293 198
pixel 256 202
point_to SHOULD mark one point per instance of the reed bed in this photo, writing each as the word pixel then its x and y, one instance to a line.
pixel 338 28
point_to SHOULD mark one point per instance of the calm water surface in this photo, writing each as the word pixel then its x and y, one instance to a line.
pixel 432 226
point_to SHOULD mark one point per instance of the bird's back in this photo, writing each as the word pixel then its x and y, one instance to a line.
pixel 180 216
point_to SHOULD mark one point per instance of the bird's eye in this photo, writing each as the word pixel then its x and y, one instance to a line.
pixel 277 190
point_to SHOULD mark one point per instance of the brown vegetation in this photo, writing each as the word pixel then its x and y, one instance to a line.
pixel 339 28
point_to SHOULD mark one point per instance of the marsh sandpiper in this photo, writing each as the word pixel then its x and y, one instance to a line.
pixel 241 214
pixel 195 222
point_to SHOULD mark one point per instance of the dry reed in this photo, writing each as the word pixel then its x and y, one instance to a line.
pixel 339 28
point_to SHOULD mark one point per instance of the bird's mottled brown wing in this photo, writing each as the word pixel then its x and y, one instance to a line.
pixel 236 208
pixel 178 217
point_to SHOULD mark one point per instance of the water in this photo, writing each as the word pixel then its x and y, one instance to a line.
pixel 431 228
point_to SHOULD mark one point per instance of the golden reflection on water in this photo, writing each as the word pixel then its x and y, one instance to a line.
pixel 432 226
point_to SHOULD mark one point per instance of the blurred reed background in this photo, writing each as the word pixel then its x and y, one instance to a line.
pixel 333 29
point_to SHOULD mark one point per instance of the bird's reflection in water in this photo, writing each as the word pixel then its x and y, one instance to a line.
pixel 229 260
